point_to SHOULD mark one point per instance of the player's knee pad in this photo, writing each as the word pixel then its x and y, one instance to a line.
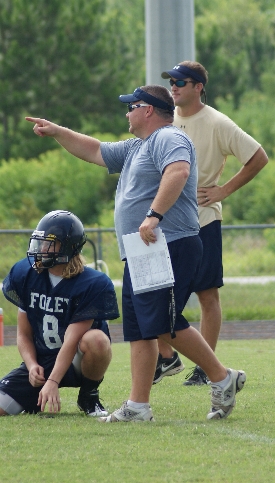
pixel 9 405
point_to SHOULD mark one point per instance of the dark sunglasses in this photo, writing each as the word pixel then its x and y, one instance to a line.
pixel 181 82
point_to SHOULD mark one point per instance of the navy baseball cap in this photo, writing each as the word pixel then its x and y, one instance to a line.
pixel 182 72
pixel 140 95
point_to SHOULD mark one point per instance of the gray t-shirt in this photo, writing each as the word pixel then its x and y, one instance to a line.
pixel 141 164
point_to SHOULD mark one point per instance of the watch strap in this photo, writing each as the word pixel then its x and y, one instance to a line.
pixel 152 212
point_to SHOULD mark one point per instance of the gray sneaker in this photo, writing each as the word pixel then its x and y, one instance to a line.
pixel 127 414
pixel 223 399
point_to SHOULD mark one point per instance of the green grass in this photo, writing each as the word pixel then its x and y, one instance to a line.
pixel 182 446
pixel 242 302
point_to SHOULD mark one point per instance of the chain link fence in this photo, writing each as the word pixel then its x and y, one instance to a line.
pixel 248 250
pixel 248 260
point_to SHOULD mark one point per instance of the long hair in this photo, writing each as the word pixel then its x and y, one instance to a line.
pixel 74 267
pixel 71 269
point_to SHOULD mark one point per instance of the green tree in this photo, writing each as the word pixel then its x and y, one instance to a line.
pixel 67 62
pixel 254 116
pixel 56 180
pixel 254 203
pixel 236 43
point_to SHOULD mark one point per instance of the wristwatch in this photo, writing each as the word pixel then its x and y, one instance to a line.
pixel 154 213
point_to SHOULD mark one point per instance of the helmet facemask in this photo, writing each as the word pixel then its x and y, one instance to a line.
pixel 46 251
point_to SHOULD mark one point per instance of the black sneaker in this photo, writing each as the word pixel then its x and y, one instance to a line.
pixel 89 403
pixel 167 367
pixel 196 377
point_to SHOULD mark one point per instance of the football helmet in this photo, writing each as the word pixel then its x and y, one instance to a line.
pixel 58 237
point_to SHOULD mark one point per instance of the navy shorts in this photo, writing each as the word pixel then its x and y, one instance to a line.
pixel 16 384
pixel 211 269
pixel 146 315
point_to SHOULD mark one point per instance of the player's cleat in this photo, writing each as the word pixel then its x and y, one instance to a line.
pixel 88 401
pixel 167 367
pixel 196 377
pixel 223 399
pixel 128 414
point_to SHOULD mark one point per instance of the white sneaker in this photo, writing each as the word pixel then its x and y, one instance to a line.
pixel 127 414
pixel 223 399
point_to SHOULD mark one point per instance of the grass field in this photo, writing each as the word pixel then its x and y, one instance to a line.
pixel 180 447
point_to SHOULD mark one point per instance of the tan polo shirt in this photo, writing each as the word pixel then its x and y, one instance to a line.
pixel 215 137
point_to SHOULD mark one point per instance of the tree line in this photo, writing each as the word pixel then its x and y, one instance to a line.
pixel 69 62
pixel 57 180
pixel 66 61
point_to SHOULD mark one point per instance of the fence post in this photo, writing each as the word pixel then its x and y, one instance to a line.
pixel 1 328
pixel 99 241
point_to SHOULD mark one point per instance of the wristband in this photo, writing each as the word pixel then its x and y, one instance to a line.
pixel 53 381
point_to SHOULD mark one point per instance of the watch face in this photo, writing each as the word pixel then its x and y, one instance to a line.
pixel 149 212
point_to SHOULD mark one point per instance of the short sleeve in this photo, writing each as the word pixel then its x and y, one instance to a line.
pixel 95 298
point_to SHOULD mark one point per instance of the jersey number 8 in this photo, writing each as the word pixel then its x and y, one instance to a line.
pixel 50 332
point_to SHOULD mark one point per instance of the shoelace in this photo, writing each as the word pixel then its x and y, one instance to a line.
pixel 217 395
pixel 95 395
pixel 194 372
pixel 99 402
pixel 125 410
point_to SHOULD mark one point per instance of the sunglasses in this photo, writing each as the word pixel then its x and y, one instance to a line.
pixel 131 107
pixel 181 82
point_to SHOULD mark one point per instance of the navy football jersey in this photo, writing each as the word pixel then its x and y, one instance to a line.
pixel 88 295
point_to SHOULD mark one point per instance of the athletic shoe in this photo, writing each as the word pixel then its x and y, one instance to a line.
pixel 89 403
pixel 223 399
pixel 196 377
pixel 167 367
pixel 128 414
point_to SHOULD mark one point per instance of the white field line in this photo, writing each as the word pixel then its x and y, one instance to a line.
pixel 246 436
pixel 241 280
pixel 242 435
pixel 117 283
pixel 249 280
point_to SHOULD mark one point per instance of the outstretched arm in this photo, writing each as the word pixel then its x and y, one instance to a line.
pixel 206 196
pixel 80 145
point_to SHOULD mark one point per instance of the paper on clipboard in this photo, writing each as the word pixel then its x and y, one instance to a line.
pixel 150 266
